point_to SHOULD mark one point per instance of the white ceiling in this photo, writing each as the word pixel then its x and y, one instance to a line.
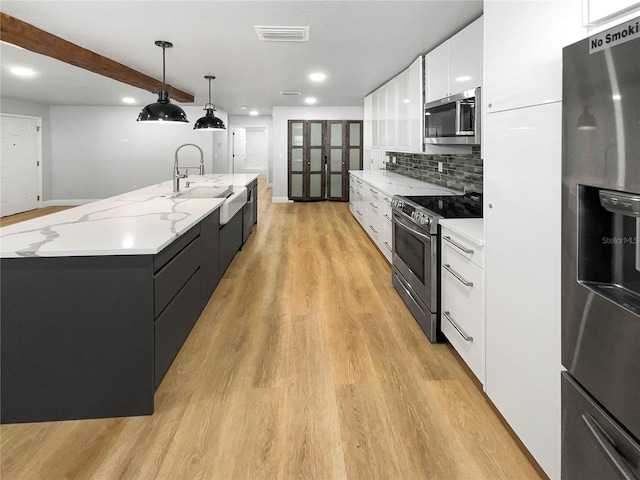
pixel 358 44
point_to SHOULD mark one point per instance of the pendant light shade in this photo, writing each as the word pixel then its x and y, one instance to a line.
pixel 163 110
pixel 209 121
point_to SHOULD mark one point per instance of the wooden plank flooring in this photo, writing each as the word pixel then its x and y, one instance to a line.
pixel 304 364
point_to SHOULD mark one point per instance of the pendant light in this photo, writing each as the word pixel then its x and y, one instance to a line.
pixel 163 110
pixel 209 121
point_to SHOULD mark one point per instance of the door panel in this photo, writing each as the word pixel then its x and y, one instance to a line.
pixel 19 165
pixel 321 153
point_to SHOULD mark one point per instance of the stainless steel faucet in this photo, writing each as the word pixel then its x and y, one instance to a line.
pixel 176 172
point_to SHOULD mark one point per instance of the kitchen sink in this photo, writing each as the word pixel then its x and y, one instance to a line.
pixel 206 192
pixel 233 204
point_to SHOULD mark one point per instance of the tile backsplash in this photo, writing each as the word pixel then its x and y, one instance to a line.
pixel 461 172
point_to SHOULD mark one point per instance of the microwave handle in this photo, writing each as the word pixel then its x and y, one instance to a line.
pixel 458 120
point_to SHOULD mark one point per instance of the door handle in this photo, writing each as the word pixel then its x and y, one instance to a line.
pixel 608 447
pixel 448 268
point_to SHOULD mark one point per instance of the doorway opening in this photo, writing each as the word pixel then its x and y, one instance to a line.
pixel 250 149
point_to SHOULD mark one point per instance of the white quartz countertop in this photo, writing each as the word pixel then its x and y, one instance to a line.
pixel 395 184
pixel 470 228
pixel 141 222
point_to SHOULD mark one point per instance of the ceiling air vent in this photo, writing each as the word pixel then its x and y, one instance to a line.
pixel 282 34
pixel 289 93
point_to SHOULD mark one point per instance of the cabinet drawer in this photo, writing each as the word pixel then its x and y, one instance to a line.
pixel 469 324
pixel 464 278
pixel 462 247
pixel 170 279
pixel 173 326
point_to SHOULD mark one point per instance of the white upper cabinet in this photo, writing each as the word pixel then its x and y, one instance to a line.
pixel 436 70
pixel 392 114
pixel 455 65
pixel 402 102
pixel 600 11
pixel 415 106
pixel 367 131
pixel 396 110
pixel 523 66
pixel 465 58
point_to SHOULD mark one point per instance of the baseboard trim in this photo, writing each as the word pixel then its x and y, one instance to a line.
pixel 68 203
pixel 281 200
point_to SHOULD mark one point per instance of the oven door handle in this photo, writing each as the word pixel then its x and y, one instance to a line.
pixel 400 222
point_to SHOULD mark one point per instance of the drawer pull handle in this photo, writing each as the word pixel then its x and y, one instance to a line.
pixel 373 205
pixel 359 212
pixel 462 333
pixel 387 200
pixel 375 192
pixel 388 218
pixel 457 245
pixel 448 268
pixel 607 446
pixel 386 244
pixel 373 228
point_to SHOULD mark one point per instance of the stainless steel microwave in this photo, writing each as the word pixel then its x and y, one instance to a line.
pixel 454 119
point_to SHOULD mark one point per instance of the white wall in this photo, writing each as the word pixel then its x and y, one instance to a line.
pixel 247 121
pixel 98 152
pixel 18 107
pixel 281 116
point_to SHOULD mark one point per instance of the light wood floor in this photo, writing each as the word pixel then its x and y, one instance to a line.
pixel 304 364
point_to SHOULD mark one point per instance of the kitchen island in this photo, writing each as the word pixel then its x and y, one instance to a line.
pixel 97 300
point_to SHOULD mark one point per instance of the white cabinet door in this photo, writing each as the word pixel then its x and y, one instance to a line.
pixel 382 116
pixel 367 132
pixel 415 107
pixel 375 120
pixel 600 10
pixel 402 123
pixel 465 58
pixel 392 114
pixel 437 73
pixel 523 44
pixel 522 195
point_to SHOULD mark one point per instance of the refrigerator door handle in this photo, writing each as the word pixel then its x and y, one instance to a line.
pixel 607 446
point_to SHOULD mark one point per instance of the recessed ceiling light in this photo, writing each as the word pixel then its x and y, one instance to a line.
pixel 310 100
pixel 317 77
pixel 253 112
pixel 128 100
pixel 464 78
pixel 243 107
pixel 616 96
pixel 23 72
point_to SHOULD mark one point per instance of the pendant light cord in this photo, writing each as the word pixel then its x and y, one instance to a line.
pixel 164 81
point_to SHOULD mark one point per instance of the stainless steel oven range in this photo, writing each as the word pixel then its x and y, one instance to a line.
pixel 416 251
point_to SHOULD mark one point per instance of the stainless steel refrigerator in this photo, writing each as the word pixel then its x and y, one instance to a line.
pixel 601 256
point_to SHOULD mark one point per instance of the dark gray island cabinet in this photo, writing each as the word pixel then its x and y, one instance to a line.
pixel 97 301
pixel 93 336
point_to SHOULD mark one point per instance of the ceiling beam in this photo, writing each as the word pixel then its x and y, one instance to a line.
pixel 17 32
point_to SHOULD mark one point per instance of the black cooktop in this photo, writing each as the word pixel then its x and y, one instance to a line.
pixel 468 205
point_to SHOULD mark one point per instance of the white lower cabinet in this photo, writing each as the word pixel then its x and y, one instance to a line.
pixel 372 208
pixel 462 272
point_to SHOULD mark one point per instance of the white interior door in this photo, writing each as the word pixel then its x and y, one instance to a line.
pixel 19 164
pixel 257 150
pixel 239 149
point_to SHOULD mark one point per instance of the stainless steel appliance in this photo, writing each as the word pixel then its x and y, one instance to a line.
pixel 454 119
pixel 416 251
pixel 601 259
